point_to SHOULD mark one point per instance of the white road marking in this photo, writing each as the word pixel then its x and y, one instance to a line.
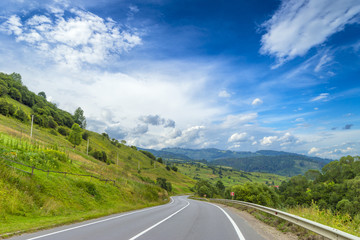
pixel 157 224
pixel 104 220
pixel 241 237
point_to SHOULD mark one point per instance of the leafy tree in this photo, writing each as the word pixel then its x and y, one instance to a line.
pixel 21 115
pixel 204 187
pixel 85 135
pixel 63 131
pixel 220 186
pixel 160 160
pixel 163 183
pixel 75 135
pixel 3 90
pixel 15 94
pixel 4 108
pixel 51 122
pixel 12 109
pixel 16 77
pixel 148 154
pixel 174 168
pixel 42 94
pixel 105 135
pixel 79 117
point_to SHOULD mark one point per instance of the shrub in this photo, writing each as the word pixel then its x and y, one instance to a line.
pixel 85 135
pixel 63 131
pixel 21 115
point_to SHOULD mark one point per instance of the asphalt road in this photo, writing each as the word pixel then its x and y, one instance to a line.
pixel 181 219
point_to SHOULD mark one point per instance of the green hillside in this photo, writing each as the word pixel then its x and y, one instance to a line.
pixel 83 181
pixel 227 175
pixel 266 161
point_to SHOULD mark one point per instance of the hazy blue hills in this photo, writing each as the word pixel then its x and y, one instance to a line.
pixel 278 162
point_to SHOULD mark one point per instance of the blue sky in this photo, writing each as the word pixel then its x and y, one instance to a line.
pixel 238 75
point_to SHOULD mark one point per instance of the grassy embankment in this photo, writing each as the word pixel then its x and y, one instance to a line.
pixel 43 200
pixel 227 175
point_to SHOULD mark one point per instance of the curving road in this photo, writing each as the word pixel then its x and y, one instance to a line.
pixel 181 219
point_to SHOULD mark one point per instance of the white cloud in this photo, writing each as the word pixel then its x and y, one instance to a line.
pixel 299 25
pixel 321 97
pixel 238 137
pixel 224 94
pixel 239 120
pixel 313 150
pixel 323 61
pixel 266 141
pixel 257 101
pixel 286 139
pixel 80 38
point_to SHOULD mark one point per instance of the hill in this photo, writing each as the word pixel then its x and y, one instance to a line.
pixel 267 161
pixel 48 179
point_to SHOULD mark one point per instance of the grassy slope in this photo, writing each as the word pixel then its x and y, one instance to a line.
pixel 229 176
pixel 28 202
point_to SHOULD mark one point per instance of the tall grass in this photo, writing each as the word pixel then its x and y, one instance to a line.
pixel 343 222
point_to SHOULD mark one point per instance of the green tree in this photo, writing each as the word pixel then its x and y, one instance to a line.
pixel 4 108
pixel 21 115
pixel 16 77
pixel 15 94
pixel 85 135
pixel 79 117
pixel 75 134
pixel 42 94
pixel 63 131
pixel 3 90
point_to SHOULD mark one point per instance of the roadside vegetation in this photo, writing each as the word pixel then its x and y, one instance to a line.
pixel 330 196
pixel 60 172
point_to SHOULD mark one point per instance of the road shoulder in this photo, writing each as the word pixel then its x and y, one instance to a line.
pixel 266 231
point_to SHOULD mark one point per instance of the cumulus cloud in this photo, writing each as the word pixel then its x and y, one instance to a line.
pixel 313 150
pixel 156 120
pixel 284 140
pixel 238 137
pixel 321 97
pixel 239 119
pixel 257 101
pixel 267 141
pixel 191 137
pixel 140 129
pixel 116 131
pixel 72 39
pixel 299 25
pixel 224 94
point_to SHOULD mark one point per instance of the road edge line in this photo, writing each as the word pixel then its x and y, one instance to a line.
pixel 237 230
pixel 104 220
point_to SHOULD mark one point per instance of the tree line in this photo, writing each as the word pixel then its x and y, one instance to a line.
pixel 336 187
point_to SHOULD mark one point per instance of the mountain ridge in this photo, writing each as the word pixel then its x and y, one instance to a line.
pixel 269 161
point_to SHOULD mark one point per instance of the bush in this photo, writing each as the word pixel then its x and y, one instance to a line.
pixel 3 90
pixel 53 132
pixel 21 115
pixel 163 183
pixel 4 108
pixel 85 136
pixel 63 131
pixel 15 94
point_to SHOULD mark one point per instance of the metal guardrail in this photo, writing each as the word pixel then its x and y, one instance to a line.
pixel 323 230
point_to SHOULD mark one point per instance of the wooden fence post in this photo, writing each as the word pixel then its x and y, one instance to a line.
pixel 32 170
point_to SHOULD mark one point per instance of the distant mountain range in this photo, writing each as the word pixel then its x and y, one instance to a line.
pixel 278 162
